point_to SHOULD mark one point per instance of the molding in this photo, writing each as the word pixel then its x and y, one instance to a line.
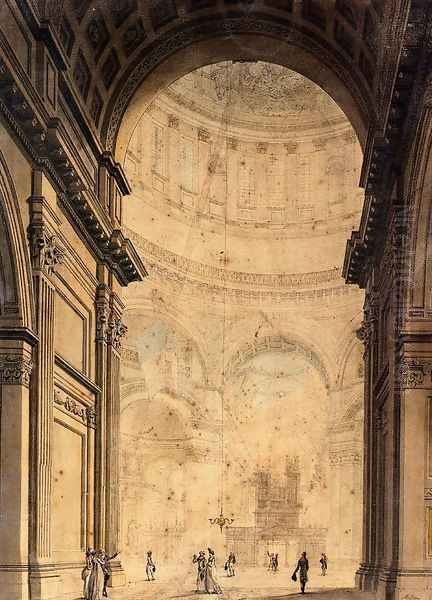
pixel 15 370
pixel 19 333
pixel 77 375
pixel 194 268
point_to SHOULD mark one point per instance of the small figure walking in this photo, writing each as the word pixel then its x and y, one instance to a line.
pixel 323 562
pixel 303 568
pixel 150 567
pixel 230 564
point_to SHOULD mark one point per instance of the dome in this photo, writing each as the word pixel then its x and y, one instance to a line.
pixel 238 166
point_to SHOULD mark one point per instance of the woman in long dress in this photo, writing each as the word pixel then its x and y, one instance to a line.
pixel 211 584
pixel 95 585
pixel 201 563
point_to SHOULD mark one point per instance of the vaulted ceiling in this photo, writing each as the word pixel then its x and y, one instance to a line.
pixel 112 45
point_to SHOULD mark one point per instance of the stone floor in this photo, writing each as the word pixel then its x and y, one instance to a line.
pixel 256 584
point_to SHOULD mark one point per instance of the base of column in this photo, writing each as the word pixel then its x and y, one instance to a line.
pixel 413 585
pixel 14 582
pixel 44 583
pixel 366 578
pixel 118 575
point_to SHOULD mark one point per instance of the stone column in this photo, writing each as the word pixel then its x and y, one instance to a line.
pixel 15 371
pixel 45 255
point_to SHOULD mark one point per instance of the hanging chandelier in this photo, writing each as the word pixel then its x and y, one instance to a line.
pixel 222 521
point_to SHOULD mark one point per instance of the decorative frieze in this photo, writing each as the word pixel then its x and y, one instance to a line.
pixel 86 414
pixel 346 456
pixel 15 370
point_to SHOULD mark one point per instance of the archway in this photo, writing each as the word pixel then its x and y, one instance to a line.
pixel 226 240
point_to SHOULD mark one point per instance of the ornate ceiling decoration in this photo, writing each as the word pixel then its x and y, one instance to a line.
pixel 255 95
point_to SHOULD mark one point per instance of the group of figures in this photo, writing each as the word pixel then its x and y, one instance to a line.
pixel 206 571
pixel 96 574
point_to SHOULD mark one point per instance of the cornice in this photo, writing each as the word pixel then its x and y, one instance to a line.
pixel 19 333
pixel 215 274
pixel 387 140
pixel 40 139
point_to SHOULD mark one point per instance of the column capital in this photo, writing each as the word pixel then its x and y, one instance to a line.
pixel 15 370
pixel 102 312
pixel 415 372
pixel 116 330
pixel 46 253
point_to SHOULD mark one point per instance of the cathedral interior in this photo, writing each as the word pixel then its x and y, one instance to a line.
pixel 215 297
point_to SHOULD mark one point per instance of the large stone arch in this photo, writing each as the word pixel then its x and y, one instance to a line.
pixel 277 343
pixel 177 324
pixel 223 39
pixel 16 305
pixel 417 257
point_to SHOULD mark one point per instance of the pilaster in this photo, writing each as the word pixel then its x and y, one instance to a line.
pixel 46 255
pixel 366 574
pixel 109 332
pixel 116 331
pixel 15 374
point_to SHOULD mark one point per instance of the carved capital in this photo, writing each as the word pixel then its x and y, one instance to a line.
pixel 102 313
pixel 365 332
pixel 15 370
pixel 116 331
pixel 45 250
pixel 415 373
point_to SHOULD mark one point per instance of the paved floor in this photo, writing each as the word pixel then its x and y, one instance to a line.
pixel 250 585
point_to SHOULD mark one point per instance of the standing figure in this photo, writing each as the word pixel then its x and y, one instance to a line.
pixel 150 567
pixel 271 560
pixel 211 584
pixel 323 562
pixel 201 563
pixel 86 572
pixel 303 568
pixel 106 568
pixel 230 564
pixel 94 584
pixel 275 563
